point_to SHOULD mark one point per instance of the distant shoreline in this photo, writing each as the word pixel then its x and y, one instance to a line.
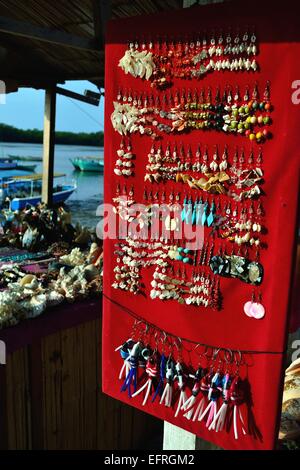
pixel 11 134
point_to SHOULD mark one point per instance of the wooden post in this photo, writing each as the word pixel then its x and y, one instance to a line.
pixel 178 439
pixel 49 143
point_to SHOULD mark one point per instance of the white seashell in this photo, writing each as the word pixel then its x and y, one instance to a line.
pixel 126 172
pixel 213 166
pixel 127 156
pixel 35 306
pixel 254 65
pixel 254 227
pixel 223 165
pixel 120 153
pixel 153 294
pixel 53 299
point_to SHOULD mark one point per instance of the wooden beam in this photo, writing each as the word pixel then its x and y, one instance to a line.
pixel 77 96
pixel 44 34
pixel 102 14
pixel 49 145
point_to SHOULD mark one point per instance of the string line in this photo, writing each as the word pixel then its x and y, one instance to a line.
pixel 139 318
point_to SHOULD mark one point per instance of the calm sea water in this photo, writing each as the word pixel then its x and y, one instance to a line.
pixel 83 202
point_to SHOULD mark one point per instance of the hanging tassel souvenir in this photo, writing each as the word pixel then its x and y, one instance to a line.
pixel 162 375
pixel 181 385
pixel 190 404
pixel 237 398
pixel 152 372
pixel 125 349
pixel 167 395
pixel 220 418
pixel 214 392
pixel 131 377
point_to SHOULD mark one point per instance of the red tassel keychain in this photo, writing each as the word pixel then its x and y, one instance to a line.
pixel 191 405
pixel 152 373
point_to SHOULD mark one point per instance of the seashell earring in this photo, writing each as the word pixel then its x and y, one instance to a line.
pixel 254 308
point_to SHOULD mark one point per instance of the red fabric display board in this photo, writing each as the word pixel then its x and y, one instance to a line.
pixel 221 335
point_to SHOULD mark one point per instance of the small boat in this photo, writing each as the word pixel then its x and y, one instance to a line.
pixel 30 168
pixel 25 158
pixel 7 165
pixel 20 191
pixel 60 195
pixel 91 164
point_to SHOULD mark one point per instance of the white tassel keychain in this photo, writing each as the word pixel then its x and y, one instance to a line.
pixel 167 395
pixel 181 384
pixel 125 349
pixel 190 404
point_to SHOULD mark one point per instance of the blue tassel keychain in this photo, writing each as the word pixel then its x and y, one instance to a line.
pixel 131 378
pixel 162 374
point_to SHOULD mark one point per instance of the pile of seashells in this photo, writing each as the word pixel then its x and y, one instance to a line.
pixel 290 417
pixel 74 276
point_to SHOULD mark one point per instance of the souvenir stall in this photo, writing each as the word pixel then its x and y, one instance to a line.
pixel 201 149
pixel 51 282
pixel 50 326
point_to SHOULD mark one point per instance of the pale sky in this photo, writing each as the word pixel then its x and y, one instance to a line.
pixel 24 110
